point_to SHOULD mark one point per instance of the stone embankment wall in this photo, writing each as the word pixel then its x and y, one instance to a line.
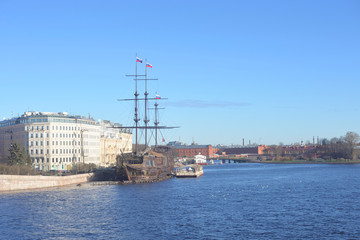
pixel 19 182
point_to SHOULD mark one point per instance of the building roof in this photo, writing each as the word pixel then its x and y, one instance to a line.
pixel 34 117
pixel 191 146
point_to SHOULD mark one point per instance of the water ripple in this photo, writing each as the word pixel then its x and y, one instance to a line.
pixel 236 201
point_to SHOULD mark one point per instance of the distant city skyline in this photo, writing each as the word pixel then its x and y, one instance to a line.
pixel 265 71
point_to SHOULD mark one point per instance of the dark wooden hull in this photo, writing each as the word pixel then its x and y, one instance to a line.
pixel 153 166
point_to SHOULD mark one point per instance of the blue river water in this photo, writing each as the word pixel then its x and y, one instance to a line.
pixel 231 201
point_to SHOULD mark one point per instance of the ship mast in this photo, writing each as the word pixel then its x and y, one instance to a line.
pixel 136 94
pixel 156 122
pixel 136 119
pixel 146 121
pixel 146 94
pixel 146 99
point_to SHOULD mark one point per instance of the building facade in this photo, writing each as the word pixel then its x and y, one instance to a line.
pixel 243 150
pixel 55 141
pixel 192 150
pixel 113 142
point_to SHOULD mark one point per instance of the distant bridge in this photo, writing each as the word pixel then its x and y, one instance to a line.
pixel 231 159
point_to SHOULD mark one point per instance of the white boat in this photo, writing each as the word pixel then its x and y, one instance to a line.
pixel 200 159
pixel 189 171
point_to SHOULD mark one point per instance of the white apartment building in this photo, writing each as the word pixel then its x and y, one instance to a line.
pixel 55 141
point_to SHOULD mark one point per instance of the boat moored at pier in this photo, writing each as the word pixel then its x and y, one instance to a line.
pixel 189 171
pixel 150 164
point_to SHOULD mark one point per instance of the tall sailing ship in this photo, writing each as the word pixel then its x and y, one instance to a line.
pixel 148 164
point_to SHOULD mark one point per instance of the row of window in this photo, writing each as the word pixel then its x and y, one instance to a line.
pixel 62 135
pixel 37 135
pixel 40 120
pixel 32 120
pixel 61 128
pixel 63 120
pixel 65 128
pixel 55 160
pixel 56 143
pixel 36 128
pixel 55 151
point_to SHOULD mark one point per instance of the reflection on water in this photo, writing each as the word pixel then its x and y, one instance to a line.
pixel 231 201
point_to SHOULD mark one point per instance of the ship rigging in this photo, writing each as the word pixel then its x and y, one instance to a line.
pixel 146 99
pixel 150 164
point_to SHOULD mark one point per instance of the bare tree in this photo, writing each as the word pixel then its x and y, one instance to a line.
pixel 351 139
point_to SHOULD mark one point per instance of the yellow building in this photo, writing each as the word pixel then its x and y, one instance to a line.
pixel 113 142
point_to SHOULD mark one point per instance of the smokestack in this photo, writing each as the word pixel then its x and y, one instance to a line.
pixel 243 142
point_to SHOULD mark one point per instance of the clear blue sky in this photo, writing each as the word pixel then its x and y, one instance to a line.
pixel 266 71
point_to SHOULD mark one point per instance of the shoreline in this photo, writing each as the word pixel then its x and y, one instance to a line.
pixel 296 161
pixel 306 162
pixel 23 183
pixel 11 183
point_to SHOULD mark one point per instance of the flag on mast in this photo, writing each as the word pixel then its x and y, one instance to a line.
pixel 157 96
pixel 139 60
pixel 149 65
